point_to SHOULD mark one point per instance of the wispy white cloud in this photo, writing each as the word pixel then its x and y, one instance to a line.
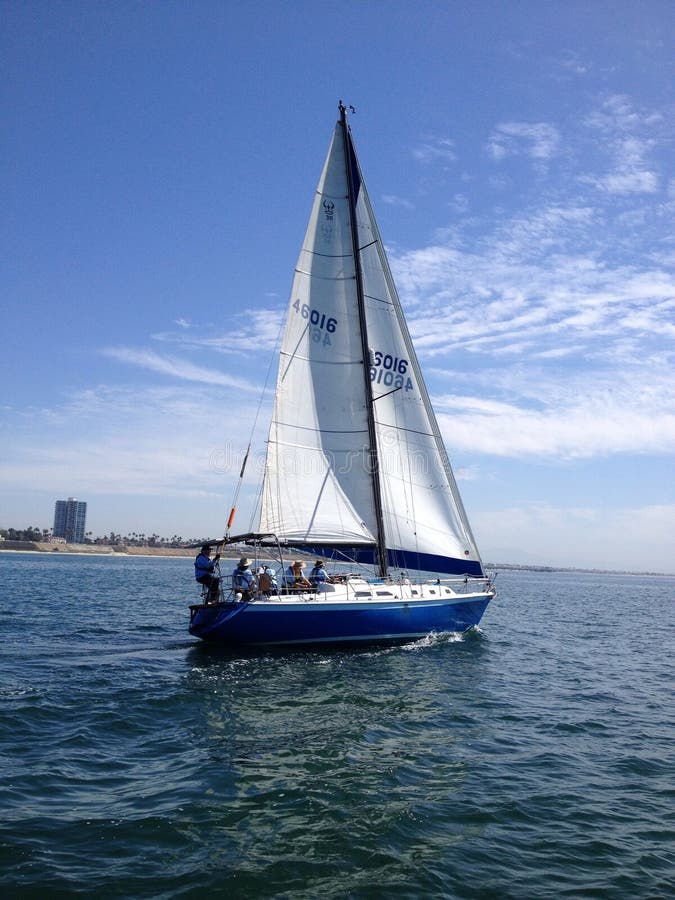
pixel 616 396
pixel 177 368
pixel 556 325
pixel 526 284
pixel 617 115
pixel 538 140
pixel 581 422
pixel 393 200
pixel 459 204
pixel 435 149
pixel 572 63
pixel 639 537
pixel 628 138
pixel 629 174
pixel 171 441
pixel 246 331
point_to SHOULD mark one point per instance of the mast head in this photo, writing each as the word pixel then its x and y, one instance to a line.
pixel 343 110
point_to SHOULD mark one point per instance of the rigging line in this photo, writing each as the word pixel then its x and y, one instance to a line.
pixel 410 430
pixel 393 391
pixel 318 430
pixel 411 487
pixel 267 378
pixel 318 500
pixel 256 505
pixel 240 481
pixel 337 555
pixel 325 277
pixel 327 196
pixel 324 256
pixel 322 362
pixel 378 299
pixel 292 355
pixel 394 519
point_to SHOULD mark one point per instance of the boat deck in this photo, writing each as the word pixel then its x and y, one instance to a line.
pixel 360 591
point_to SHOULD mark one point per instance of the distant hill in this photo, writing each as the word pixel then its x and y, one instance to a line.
pixel 572 569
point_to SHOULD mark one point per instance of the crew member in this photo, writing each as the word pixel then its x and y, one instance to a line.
pixel 243 579
pixel 267 581
pixel 318 576
pixel 204 573
pixel 294 577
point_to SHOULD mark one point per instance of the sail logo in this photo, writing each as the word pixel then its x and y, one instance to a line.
pixel 389 370
pixel 328 223
pixel 320 325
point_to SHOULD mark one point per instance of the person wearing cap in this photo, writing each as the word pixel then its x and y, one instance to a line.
pixel 295 578
pixel 204 572
pixel 318 575
pixel 243 578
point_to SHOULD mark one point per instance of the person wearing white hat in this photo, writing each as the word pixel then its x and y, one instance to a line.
pixel 243 578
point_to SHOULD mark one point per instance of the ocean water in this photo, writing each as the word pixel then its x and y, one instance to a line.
pixel 533 758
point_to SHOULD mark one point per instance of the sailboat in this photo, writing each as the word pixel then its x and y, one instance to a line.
pixel 356 470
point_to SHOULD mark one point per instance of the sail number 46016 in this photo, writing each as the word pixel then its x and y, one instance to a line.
pixel 389 370
pixel 320 325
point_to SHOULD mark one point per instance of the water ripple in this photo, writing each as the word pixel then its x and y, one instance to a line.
pixel 529 758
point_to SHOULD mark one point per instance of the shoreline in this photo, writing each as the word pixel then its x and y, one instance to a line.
pixel 94 550
pixel 45 549
pixel 124 551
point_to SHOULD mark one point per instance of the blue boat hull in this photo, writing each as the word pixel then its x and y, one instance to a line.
pixel 248 624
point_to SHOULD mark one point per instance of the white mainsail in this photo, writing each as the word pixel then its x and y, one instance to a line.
pixel 318 480
pixel 317 487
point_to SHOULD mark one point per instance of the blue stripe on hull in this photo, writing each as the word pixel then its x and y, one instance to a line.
pixel 259 623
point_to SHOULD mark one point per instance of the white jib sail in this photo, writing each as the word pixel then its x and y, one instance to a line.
pixel 423 512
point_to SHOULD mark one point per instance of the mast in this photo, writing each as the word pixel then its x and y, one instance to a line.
pixel 350 166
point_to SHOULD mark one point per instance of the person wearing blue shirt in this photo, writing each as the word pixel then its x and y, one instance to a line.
pixel 204 573
pixel 318 575
pixel 243 579
pixel 295 580
pixel 320 578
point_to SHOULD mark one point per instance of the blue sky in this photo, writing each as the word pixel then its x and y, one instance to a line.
pixel 158 165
